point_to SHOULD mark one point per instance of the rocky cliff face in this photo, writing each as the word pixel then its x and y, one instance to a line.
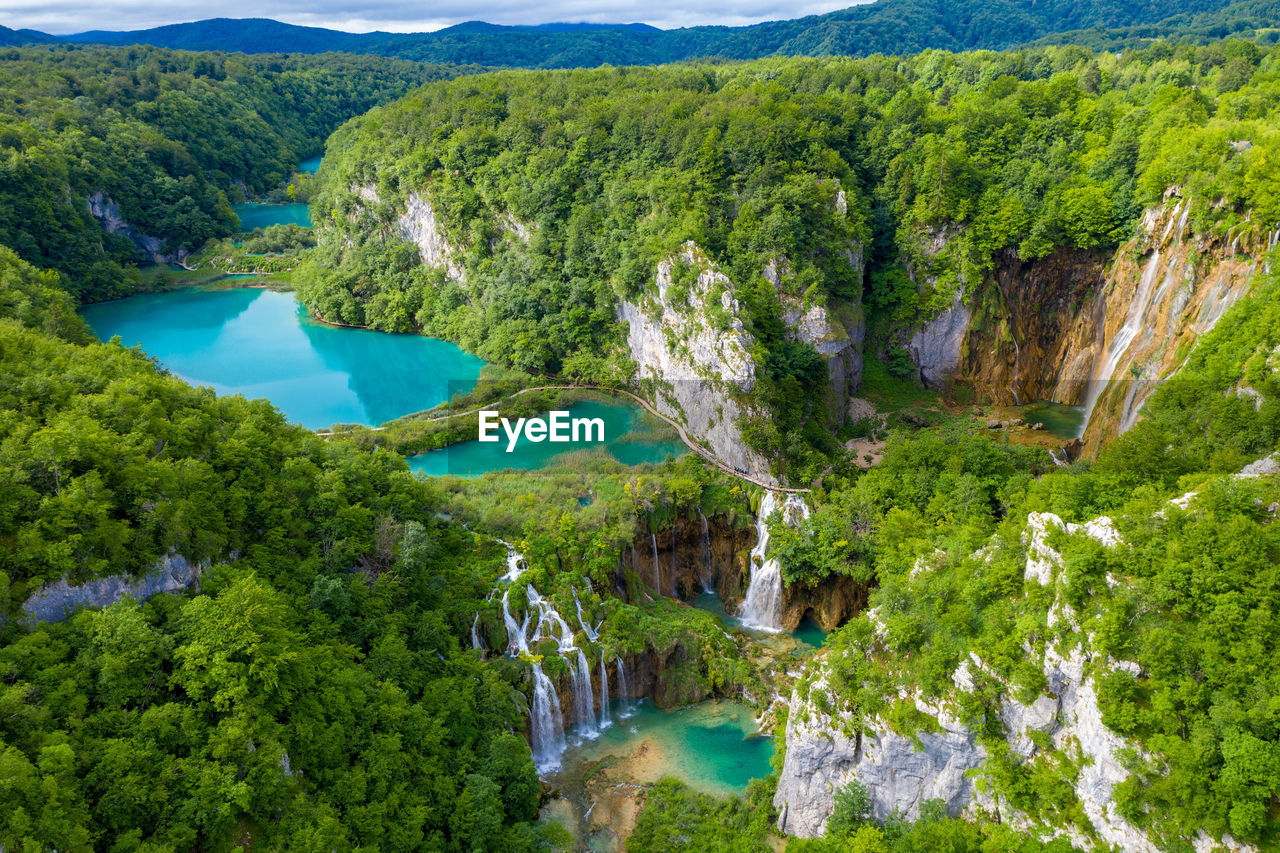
pixel 827 748
pixel 693 356
pixel 152 249
pixel 835 328
pixel 57 601
pixel 419 225
pixel 1083 329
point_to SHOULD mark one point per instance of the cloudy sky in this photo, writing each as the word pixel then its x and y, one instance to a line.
pixel 70 16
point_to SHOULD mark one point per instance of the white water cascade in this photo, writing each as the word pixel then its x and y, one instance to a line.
pixel 762 606
pixel 515 564
pixel 624 692
pixel 475 635
pixel 707 575
pixel 606 714
pixel 584 702
pixel 546 727
pixel 1116 348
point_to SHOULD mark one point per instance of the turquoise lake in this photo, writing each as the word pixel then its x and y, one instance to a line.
pixel 712 746
pixel 261 343
pixel 311 164
pixel 256 215
pixel 630 438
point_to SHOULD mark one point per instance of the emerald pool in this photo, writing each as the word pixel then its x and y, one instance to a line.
pixel 262 343
pixel 311 165
pixel 1059 419
pixel 631 438
pixel 256 215
pixel 712 746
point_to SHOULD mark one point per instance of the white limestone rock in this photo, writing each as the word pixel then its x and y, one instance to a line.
pixel 696 370
pixel 420 226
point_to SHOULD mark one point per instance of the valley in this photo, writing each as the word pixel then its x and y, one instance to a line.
pixel 935 506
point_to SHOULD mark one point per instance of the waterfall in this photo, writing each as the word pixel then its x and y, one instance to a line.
pixel 707 579
pixel 475 636
pixel 517 641
pixel 606 718
pixel 593 634
pixel 675 593
pixel 515 564
pixel 624 692
pixel 657 570
pixel 545 725
pixel 762 606
pixel 1133 323
pixel 584 713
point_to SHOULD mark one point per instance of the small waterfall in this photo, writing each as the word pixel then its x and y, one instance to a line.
pixel 657 569
pixel 624 691
pixel 675 593
pixel 707 579
pixel 517 639
pixel 475 635
pixel 606 715
pixel 545 725
pixel 515 564
pixel 762 606
pixel 593 634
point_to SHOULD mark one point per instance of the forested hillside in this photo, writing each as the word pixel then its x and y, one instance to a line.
pixel 885 26
pixel 550 199
pixel 1026 652
pixel 171 138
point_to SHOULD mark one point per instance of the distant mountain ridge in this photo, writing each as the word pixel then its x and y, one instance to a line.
pixel 885 26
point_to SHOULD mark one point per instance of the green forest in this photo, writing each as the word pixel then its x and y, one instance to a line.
pixel 346 673
pixel 172 138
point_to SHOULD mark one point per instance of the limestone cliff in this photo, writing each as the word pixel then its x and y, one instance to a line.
pixel 828 746
pixel 152 249
pixel 56 601
pixel 420 226
pixel 693 355
pixel 835 328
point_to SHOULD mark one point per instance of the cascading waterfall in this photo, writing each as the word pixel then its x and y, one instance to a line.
pixel 546 727
pixel 584 713
pixel 517 641
pixel 657 569
pixel 515 564
pixel 762 606
pixel 707 579
pixel 475 635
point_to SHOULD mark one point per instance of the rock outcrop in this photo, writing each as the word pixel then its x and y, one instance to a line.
pixel 827 747
pixel 152 249
pixel 936 347
pixel 839 343
pixel 693 356
pixel 57 601
pixel 420 226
